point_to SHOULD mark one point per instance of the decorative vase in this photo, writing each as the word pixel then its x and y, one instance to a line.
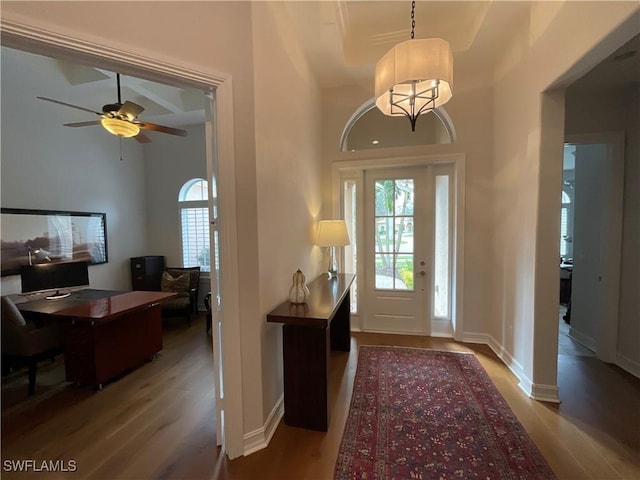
pixel 299 291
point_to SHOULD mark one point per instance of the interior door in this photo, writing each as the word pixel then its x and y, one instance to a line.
pixel 215 300
pixel 597 241
pixel 398 238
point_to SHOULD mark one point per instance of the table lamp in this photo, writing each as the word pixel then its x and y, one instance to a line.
pixel 332 234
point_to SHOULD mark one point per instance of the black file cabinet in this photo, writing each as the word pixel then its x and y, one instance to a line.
pixel 146 272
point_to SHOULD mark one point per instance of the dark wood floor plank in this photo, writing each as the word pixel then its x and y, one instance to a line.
pixel 158 421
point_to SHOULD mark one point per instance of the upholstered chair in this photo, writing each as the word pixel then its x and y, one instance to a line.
pixel 26 341
pixel 184 281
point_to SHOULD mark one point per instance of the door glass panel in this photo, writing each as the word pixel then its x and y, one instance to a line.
pixel 404 272
pixel 404 234
pixel 384 197
pixel 442 243
pixel 393 234
pixel 383 242
pixel 384 266
pixel 403 197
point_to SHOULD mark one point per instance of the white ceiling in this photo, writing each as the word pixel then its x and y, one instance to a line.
pixel 91 88
pixel 342 41
pixel 163 104
pixel 621 68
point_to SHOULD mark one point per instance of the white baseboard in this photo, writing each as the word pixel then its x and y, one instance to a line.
pixel 582 339
pixel 630 365
pixel 260 438
pixel 543 393
pixel 500 351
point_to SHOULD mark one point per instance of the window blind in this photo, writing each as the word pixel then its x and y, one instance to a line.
pixel 195 238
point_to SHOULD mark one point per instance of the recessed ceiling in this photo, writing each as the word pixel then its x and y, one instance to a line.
pixel 91 88
pixel 162 103
pixel 342 41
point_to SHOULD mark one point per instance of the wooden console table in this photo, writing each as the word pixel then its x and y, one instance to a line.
pixel 107 333
pixel 310 330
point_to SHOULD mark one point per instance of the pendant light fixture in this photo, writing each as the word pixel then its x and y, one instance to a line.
pixel 414 77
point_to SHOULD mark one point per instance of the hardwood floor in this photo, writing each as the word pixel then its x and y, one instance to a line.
pixel 158 421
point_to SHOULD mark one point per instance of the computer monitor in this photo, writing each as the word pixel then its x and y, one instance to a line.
pixel 54 276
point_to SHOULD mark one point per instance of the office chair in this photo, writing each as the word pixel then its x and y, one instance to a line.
pixel 26 341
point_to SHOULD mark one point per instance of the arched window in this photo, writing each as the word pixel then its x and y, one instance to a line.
pixel 194 223
pixel 369 128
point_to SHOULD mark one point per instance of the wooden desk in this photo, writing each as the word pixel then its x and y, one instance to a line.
pixel 107 332
pixel 309 332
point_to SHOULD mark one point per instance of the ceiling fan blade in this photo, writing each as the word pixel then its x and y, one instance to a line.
pixel 82 124
pixel 68 105
pixel 131 109
pixel 142 138
pixel 160 128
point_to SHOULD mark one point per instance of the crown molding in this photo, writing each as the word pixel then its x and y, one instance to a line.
pixel 23 36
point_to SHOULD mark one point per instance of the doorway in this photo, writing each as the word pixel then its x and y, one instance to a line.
pixel 406 224
pixel 220 159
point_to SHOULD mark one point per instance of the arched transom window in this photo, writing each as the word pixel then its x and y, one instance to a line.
pixel 369 128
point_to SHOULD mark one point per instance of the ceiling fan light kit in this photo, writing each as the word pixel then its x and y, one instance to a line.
pixel 120 119
pixel 414 77
pixel 121 128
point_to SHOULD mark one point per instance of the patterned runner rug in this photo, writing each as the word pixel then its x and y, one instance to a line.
pixel 425 414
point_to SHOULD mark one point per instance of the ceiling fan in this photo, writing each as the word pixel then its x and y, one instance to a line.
pixel 121 119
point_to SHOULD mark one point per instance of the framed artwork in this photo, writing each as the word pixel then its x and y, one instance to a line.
pixel 29 237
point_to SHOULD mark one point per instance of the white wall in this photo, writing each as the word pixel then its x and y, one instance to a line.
pixel 287 116
pixel 528 137
pixel 617 111
pixel 198 36
pixel 169 162
pixel 48 166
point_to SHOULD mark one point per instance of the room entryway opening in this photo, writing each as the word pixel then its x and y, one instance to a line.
pixel 220 165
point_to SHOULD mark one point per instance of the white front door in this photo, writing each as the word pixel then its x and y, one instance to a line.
pixel 398 223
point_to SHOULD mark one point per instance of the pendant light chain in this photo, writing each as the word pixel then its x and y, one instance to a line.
pixel 413 20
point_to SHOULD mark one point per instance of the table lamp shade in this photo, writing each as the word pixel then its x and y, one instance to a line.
pixel 332 233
